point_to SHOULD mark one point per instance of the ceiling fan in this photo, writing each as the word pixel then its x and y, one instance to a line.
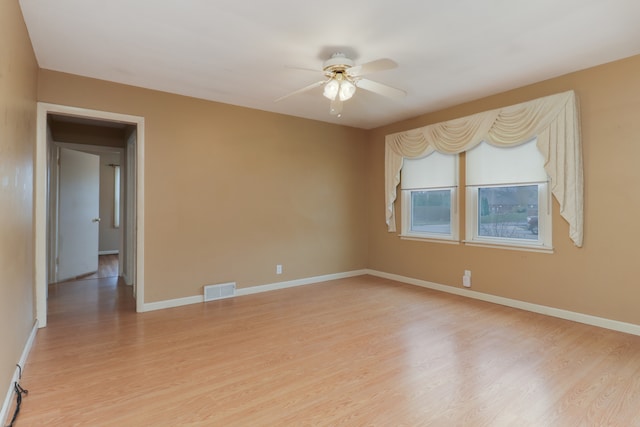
pixel 343 77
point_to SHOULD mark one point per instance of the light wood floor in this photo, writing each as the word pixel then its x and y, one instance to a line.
pixel 107 267
pixel 356 352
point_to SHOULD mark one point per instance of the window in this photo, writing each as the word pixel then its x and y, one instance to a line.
pixel 429 197
pixel 116 196
pixel 507 196
pixel 555 121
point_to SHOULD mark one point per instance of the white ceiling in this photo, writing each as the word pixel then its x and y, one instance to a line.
pixel 242 52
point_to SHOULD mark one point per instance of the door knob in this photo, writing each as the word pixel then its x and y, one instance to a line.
pixel 95 220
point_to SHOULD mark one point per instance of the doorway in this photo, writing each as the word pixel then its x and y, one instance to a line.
pixel 86 195
pixel 130 253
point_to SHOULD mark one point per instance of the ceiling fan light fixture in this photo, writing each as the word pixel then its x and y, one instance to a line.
pixel 347 89
pixel 342 78
pixel 331 89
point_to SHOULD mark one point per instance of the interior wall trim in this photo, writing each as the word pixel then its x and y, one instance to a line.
pixel 629 328
pixel 4 412
pixel 160 305
pixel 171 303
pixel 298 282
pixel 112 252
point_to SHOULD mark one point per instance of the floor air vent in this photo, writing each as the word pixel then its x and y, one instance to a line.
pixel 224 290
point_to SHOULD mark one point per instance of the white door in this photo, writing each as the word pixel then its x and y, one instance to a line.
pixel 78 214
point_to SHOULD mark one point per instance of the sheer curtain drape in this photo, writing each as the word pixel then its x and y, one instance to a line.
pixel 554 120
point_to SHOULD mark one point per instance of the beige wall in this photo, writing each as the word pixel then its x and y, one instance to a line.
pixel 18 81
pixel 598 279
pixel 77 133
pixel 231 192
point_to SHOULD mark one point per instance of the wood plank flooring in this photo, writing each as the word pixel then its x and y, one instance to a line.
pixel 362 351
pixel 107 267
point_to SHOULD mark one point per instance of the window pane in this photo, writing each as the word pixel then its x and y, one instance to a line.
pixel 431 211
pixel 508 212
pixel 116 196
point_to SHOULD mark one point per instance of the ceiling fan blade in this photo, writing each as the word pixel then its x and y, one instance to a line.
pixel 380 89
pixel 313 70
pixel 336 107
pixel 372 67
pixel 304 89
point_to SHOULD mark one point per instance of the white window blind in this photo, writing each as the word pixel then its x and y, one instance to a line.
pixel 433 171
pixel 489 165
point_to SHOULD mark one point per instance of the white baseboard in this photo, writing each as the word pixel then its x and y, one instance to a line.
pixel 298 282
pixel 601 322
pixel 159 305
pixel 4 413
pixel 113 252
pixel 171 303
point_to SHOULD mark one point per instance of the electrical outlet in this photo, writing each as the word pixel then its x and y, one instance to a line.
pixel 466 281
pixel 279 269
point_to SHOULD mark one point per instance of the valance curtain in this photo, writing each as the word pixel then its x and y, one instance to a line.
pixel 553 120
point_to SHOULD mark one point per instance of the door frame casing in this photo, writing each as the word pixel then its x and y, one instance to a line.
pixel 41 191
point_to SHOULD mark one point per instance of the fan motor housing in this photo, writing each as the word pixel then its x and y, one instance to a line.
pixel 337 63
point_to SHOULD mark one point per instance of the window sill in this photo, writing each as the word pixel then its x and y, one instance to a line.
pixel 510 247
pixel 429 239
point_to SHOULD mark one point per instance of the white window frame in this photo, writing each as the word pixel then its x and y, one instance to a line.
pixel 406 217
pixel 407 231
pixel 543 241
